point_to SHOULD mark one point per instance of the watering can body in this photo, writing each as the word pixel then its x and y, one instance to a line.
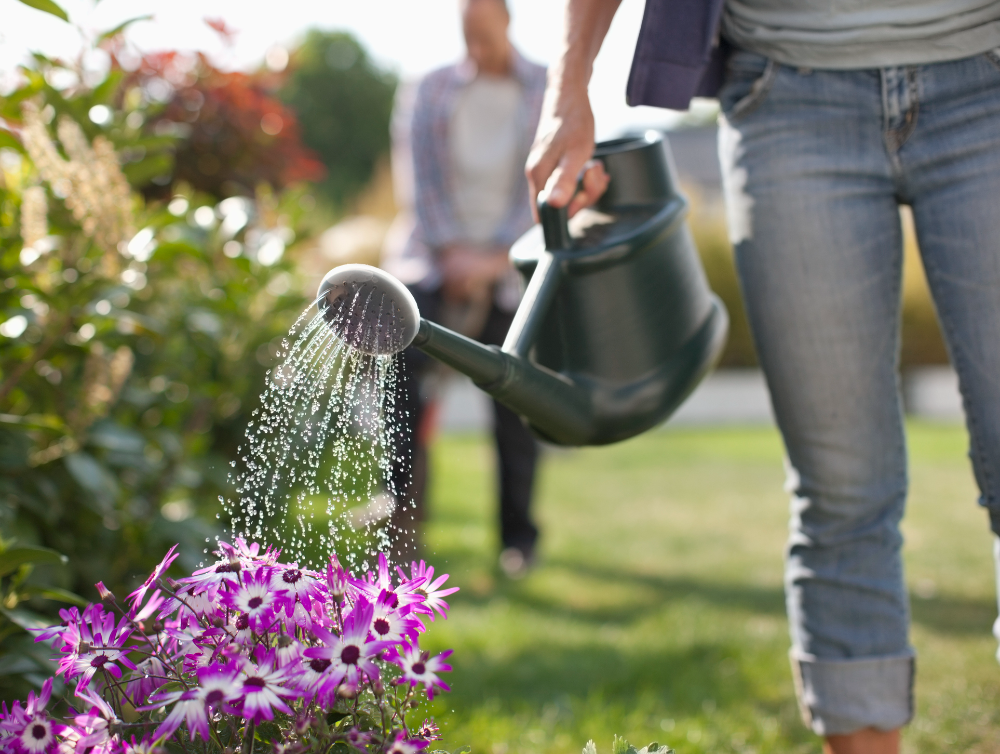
pixel 617 325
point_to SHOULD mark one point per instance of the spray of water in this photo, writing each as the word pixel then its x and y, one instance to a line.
pixel 315 473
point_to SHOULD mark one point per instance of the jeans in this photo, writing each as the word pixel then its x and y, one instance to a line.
pixel 815 165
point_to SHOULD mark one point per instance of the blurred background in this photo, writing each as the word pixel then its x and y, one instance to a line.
pixel 144 297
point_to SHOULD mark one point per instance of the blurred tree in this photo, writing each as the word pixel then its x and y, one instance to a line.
pixel 343 102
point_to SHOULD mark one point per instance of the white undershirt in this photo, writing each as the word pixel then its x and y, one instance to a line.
pixel 485 147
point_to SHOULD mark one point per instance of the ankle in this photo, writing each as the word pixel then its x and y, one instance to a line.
pixel 864 741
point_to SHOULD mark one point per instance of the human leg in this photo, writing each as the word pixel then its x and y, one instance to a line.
pixel 814 218
pixel 517 458
pixel 408 474
pixel 951 168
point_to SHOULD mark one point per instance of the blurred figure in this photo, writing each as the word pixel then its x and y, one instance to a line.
pixel 459 143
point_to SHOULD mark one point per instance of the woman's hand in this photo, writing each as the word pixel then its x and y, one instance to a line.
pixel 560 160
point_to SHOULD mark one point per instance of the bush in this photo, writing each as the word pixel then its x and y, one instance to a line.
pixel 134 339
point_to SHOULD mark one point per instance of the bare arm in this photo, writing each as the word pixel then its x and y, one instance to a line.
pixel 564 141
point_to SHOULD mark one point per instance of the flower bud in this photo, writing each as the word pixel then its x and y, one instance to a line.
pixel 104 591
pixel 377 688
pixel 284 640
pixel 336 579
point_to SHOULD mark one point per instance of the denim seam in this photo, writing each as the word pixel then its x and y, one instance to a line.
pixel 758 91
pixel 993 56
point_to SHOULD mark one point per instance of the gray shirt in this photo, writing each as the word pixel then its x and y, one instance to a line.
pixel 844 34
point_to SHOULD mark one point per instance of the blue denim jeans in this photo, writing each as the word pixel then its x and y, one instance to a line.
pixel 815 166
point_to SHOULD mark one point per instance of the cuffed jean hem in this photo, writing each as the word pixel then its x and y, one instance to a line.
pixel 843 696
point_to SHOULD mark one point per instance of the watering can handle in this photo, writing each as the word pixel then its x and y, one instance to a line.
pixel 554 226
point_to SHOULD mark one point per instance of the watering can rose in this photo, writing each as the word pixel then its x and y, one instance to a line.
pixel 324 658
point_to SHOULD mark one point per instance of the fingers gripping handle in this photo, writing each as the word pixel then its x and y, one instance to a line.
pixel 554 226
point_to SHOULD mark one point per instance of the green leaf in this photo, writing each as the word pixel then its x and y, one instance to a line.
pixel 11 664
pixel 25 618
pixel 94 478
pixel 335 716
pixel 35 421
pixel 56 594
pixel 11 560
pixel 8 140
pixel 122 27
pixel 48 7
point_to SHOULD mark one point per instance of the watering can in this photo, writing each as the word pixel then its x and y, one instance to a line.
pixel 617 324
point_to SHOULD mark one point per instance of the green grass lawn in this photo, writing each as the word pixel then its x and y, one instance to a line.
pixel 657 611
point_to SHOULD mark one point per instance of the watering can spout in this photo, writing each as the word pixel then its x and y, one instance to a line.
pixel 617 324
pixel 376 314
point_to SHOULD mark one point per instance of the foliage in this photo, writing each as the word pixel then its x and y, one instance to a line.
pixel 235 134
pixel 343 102
pixel 245 650
pixel 134 335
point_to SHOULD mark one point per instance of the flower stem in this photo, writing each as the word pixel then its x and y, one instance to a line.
pixel 248 737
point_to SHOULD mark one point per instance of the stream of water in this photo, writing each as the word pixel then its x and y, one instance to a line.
pixel 315 472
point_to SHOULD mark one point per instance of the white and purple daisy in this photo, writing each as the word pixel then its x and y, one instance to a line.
pixel 30 730
pixel 263 685
pixel 419 667
pixel 403 745
pixel 255 599
pixel 350 655
pixel 298 586
pixel 101 648
pixel 391 624
pixel 217 688
pixel 373 585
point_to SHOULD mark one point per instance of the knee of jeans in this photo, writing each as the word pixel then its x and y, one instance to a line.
pixel 828 520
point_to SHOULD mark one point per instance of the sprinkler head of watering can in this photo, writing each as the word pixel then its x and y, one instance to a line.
pixel 368 308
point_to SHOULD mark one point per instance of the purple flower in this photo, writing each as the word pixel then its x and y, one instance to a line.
pixel 100 647
pixel 392 625
pixel 135 599
pixel 349 656
pixel 403 745
pixel 336 578
pixel 29 730
pixel 418 667
pixel 255 599
pixel 298 585
pixel 149 676
pixel 428 730
pixel 430 588
pixel 373 585
pixel 359 739
pixel 263 685
pixel 210 579
pixel 91 732
pixel 217 688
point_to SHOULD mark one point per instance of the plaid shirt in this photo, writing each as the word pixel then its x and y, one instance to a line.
pixel 435 225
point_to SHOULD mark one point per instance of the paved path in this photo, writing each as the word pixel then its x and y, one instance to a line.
pixel 732 396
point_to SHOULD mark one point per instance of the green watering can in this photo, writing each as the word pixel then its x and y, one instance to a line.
pixel 617 325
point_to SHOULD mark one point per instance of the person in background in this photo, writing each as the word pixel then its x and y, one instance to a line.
pixel 466 132
pixel 833 115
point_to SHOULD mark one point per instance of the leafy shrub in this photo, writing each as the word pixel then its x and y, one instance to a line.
pixel 134 338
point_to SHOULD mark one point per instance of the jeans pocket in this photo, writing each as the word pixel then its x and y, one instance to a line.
pixel 748 80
